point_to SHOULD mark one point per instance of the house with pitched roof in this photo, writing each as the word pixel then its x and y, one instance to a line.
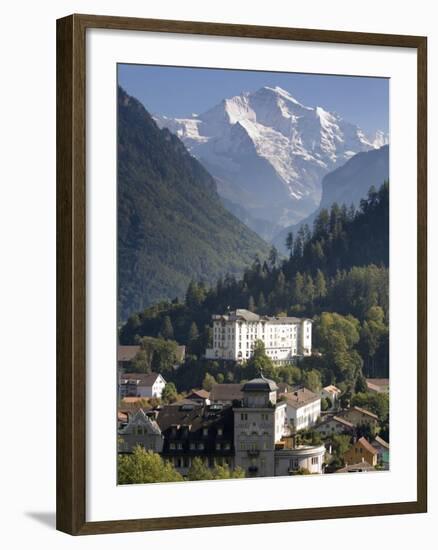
pixel 358 415
pixel 303 408
pixel 136 384
pixel 334 425
pixel 382 451
pixel 361 451
pixel 251 433
pixel 332 393
pixel 199 396
pixel 141 429
pixel 126 355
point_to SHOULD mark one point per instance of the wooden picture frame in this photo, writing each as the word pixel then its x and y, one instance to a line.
pixel 71 273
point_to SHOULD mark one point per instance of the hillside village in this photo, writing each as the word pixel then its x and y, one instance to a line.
pixel 257 427
pixel 244 351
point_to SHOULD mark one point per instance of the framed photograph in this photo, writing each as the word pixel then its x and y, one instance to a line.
pixel 241 274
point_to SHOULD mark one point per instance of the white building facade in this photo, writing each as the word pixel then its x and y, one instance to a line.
pixel 303 408
pixel 235 335
pixel 262 438
pixel 141 385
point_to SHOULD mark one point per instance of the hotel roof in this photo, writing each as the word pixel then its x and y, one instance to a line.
pixel 249 316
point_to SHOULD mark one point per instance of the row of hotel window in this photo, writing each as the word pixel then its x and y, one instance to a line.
pixel 199 446
pixel 142 430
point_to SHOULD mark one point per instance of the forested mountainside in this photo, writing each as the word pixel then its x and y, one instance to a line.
pixel 336 273
pixel 348 184
pixel 172 225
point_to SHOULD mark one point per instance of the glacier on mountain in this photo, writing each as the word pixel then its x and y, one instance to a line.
pixel 268 152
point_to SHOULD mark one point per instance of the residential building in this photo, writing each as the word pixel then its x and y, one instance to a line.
pixel 136 384
pixel 235 335
pixel 195 430
pixel 142 429
pixel 126 355
pixel 358 415
pixel 382 448
pixel 303 408
pixel 332 393
pixel 199 396
pixel 378 385
pixel 226 393
pixel 252 433
pixel 334 425
pixel 362 450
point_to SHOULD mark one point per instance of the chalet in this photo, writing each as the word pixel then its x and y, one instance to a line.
pixel 334 425
pixel 358 415
pixel 362 450
pixel 141 385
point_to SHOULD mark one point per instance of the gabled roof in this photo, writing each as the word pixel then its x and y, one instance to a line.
pixel 343 421
pixel 201 394
pixel 366 445
pixel 142 379
pixel 339 419
pixel 127 353
pixel 299 397
pixel 226 392
pixel 381 442
pixel 140 418
pixel 364 411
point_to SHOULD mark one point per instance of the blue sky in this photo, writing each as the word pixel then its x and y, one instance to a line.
pixel 180 91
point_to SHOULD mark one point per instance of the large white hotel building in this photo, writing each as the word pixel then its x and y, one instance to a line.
pixel 235 333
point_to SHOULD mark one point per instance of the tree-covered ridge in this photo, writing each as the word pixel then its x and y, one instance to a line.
pixel 336 274
pixel 172 226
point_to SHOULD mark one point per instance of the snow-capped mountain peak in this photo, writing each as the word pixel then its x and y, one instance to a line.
pixel 269 152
